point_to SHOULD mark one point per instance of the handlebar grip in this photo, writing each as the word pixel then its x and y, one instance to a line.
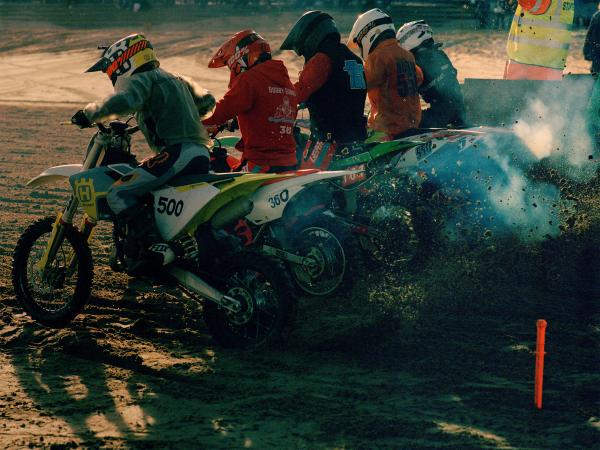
pixel 102 128
pixel 81 120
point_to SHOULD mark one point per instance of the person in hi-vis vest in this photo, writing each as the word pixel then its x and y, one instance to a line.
pixel 539 40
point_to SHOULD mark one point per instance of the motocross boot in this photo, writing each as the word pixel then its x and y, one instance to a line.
pixel 145 250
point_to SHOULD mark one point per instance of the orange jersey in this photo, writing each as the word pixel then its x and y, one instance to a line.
pixel 392 86
pixel 535 6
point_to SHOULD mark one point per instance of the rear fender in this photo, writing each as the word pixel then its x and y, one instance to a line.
pixel 54 174
pixel 271 201
pixel 313 199
pixel 242 186
pixel 443 141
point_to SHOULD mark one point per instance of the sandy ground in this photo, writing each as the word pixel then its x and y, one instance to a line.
pixel 48 65
pixel 437 357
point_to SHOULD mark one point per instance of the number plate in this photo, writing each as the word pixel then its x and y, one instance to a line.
pixel 348 180
pixel 169 206
pixel 279 199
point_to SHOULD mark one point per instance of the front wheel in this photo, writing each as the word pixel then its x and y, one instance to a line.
pixel 262 286
pixel 55 295
pixel 332 255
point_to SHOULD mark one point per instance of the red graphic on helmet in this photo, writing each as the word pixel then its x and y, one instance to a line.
pixel 240 52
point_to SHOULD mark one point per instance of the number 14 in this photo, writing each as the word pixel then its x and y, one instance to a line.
pixel 356 72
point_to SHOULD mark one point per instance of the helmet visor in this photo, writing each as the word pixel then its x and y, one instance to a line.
pixel 100 66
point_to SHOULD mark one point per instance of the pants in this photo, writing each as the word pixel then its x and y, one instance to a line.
pixel 593 114
pixel 514 70
pixel 181 159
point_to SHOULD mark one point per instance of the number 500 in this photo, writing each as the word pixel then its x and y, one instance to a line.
pixel 169 206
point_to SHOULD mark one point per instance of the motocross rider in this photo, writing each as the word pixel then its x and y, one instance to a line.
pixel 263 98
pixel 440 88
pixel 591 52
pixel 332 82
pixel 392 75
pixel 167 109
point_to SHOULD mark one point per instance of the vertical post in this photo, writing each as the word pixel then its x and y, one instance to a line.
pixel 539 362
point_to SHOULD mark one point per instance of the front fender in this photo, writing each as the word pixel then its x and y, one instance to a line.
pixel 54 174
pixel 228 141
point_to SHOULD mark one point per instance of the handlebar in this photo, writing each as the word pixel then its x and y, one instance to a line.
pixel 232 125
pixel 114 126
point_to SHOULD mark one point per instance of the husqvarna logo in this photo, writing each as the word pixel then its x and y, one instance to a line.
pixel 85 191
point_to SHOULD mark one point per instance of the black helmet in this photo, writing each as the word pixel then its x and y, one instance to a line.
pixel 308 32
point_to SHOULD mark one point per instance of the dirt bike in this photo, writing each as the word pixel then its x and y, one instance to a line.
pixel 391 199
pixel 246 294
pixel 318 248
pixel 446 184
pixel 386 201
pixel 379 202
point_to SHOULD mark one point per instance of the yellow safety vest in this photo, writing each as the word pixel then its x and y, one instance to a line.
pixel 542 39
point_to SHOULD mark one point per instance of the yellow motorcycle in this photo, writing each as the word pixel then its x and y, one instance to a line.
pixel 246 294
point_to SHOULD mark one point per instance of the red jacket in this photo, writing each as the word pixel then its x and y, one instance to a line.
pixel 264 101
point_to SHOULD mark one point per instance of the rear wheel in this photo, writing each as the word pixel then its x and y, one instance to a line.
pixel 391 239
pixel 332 255
pixel 263 288
pixel 52 297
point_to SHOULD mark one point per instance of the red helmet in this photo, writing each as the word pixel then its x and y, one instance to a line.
pixel 240 52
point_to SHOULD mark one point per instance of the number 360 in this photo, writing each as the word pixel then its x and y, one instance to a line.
pixel 278 199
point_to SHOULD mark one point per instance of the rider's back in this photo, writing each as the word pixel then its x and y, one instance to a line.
pixel 440 87
pixel 392 82
pixel 338 106
pixel 264 100
pixel 166 111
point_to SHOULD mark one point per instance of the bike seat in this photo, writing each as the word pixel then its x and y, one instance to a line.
pixel 184 180
pixel 346 151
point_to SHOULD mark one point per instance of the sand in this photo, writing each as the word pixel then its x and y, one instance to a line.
pixel 439 356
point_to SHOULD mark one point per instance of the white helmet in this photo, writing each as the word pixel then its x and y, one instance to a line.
pixel 412 34
pixel 367 27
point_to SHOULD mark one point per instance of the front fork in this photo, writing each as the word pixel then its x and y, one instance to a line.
pixel 66 217
pixel 57 236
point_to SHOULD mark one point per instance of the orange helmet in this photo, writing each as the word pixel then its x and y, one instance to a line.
pixel 240 52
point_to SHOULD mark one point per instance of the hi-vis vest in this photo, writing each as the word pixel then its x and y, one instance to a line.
pixel 542 39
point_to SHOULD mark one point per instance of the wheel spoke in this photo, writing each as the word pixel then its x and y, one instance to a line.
pixel 52 296
pixel 53 289
pixel 257 298
pixel 327 253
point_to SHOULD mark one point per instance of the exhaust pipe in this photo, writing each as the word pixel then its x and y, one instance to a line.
pixel 198 286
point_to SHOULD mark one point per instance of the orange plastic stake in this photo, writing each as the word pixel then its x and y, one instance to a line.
pixel 539 362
